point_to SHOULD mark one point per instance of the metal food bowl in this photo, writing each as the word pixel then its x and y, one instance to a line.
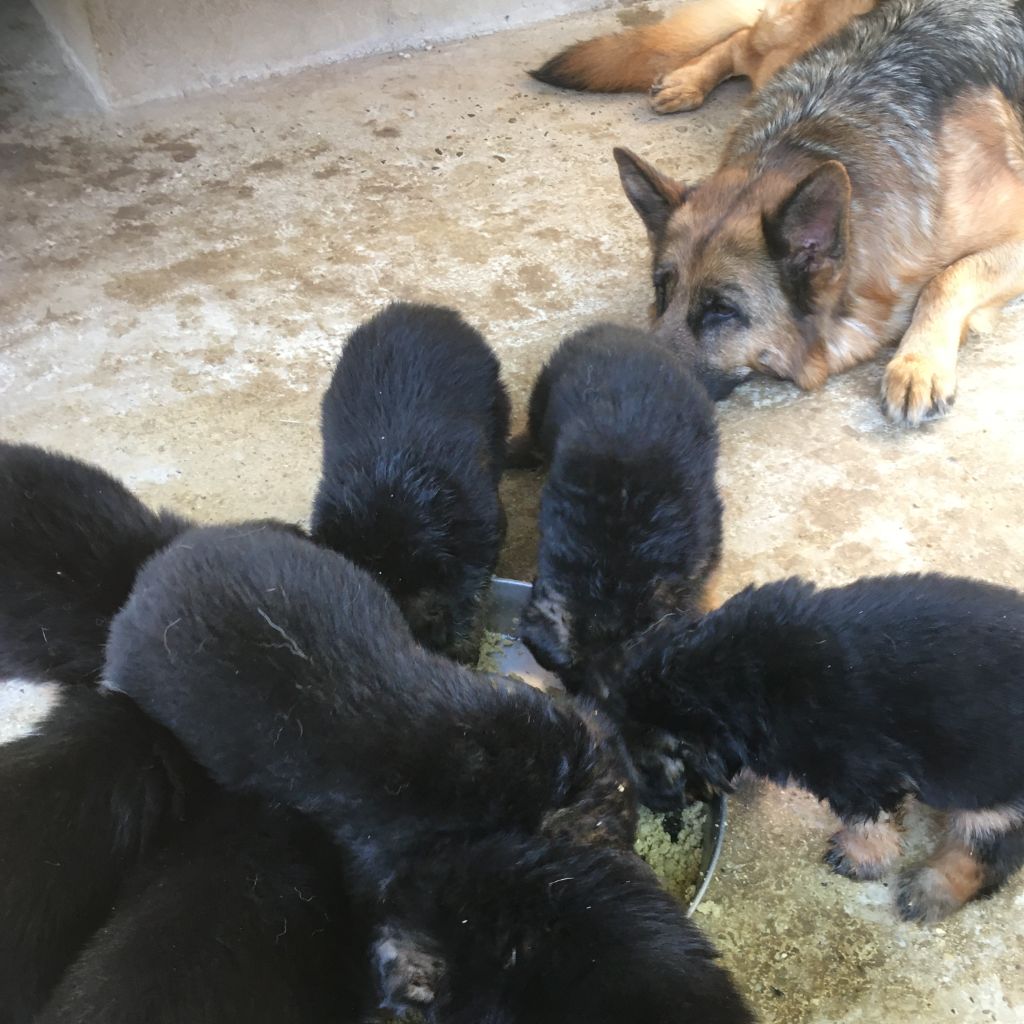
pixel 506 601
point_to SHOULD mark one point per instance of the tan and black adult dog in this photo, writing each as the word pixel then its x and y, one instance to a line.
pixel 872 193
pixel 681 59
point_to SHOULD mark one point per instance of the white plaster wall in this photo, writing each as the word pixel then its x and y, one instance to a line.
pixel 137 50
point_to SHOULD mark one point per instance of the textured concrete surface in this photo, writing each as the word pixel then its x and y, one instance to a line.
pixel 176 282
pixel 131 51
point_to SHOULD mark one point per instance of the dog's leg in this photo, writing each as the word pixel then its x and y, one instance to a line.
pixel 920 381
pixel 688 86
pixel 864 850
pixel 980 851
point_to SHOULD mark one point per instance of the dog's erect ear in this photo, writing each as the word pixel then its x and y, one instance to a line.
pixel 809 232
pixel 654 195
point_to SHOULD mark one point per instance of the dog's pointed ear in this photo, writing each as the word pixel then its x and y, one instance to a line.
pixel 655 196
pixel 809 233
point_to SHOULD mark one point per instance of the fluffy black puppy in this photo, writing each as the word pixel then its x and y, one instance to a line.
pixel 864 694
pixel 245 917
pixel 71 540
pixel 287 671
pixel 554 934
pixel 85 795
pixel 630 518
pixel 414 428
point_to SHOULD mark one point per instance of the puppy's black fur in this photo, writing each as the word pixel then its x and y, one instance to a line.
pixel 414 428
pixel 71 540
pixel 630 520
pixel 245 917
pixel 83 800
pixel 864 694
pixel 287 671
pixel 552 934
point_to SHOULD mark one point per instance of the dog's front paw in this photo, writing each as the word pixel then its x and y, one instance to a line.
pixel 408 970
pixel 660 769
pixel 916 389
pixel 677 91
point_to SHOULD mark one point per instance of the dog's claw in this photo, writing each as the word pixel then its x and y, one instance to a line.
pixel 916 389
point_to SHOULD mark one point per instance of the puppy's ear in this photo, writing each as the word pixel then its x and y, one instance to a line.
pixel 547 629
pixel 809 233
pixel 655 196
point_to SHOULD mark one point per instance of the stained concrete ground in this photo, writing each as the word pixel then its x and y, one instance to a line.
pixel 177 280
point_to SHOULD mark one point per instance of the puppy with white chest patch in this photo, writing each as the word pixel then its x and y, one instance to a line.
pixel 863 695
pixel 415 422
pixel 630 519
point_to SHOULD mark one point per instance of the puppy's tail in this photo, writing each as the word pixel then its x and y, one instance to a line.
pixel 632 61
pixel 520 453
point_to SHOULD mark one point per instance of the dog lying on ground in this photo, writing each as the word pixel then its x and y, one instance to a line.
pixel 244 917
pixel 414 425
pixel 682 59
pixel 630 518
pixel 872 193
pixel 863 695
pixel 289 672
pixel 71 540
pixel 87 793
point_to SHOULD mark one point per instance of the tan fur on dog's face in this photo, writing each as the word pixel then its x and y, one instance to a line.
pixel 748 270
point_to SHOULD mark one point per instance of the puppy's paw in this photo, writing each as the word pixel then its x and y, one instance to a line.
pixel 677 91
pixel 408 970
pixel 935 890
pixel 859 855
pixel 916 389
pixel 660 770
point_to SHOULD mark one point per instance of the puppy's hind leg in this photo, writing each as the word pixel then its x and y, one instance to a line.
pixel 980 851
pixel 864 849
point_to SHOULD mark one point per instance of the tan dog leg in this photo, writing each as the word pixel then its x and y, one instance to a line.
pixel 688 86
pixel 864 850
pixel 920 381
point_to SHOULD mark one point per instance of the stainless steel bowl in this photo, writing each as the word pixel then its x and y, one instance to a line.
pixel 505 604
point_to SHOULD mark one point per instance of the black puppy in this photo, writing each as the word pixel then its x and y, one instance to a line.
pixel 87 792
pixel 287 671
pixel 71 540
pixel 551 934
pixel 414 428
pixel 630 518
pixel 245 917
pixel 864 694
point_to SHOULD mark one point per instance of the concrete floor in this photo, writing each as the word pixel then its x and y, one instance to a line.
pixel 176 282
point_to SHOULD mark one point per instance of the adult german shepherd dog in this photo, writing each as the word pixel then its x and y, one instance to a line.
pixel 872 193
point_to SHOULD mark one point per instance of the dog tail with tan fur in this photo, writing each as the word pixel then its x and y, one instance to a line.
pixel 632 61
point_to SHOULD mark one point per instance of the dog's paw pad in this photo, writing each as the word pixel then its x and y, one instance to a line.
pixel 916 389
pixel 924 895
pixel 675 92
pixel 408 973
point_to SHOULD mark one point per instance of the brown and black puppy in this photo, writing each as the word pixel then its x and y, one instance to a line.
pixel 863 695
pixel 872 193
pixel 71 541
pixel 630 517
pixel 415 422
pixel 246 916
